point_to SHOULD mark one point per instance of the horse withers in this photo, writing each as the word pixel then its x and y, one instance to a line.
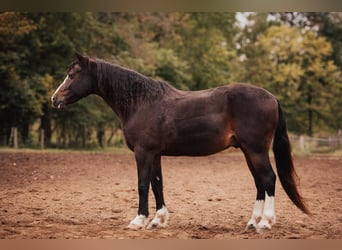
pixel 159 120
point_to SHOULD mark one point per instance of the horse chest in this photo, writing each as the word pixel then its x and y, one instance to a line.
pixel 143 131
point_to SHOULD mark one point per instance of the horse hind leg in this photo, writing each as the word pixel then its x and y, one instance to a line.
pixel 268 218
pixel 258 208
pixel 267 177
pixel 260 199
pixel 263 216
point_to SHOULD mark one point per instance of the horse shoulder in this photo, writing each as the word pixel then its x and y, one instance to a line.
pixel 144 128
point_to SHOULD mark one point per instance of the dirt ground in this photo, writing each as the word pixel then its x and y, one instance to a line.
pixel 94 195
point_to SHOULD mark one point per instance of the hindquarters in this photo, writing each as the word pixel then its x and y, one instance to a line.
pixel 257 118
pixel 253 116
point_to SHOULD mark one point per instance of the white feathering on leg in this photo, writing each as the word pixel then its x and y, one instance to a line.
pixel 256 215
pixel 139 222
pixel 268 217
pixel 160 219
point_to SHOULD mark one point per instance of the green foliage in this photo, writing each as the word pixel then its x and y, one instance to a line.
pixel 296 67
pixel 207 46
pixel 172 69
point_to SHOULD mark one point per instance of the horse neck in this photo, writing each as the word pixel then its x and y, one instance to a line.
pixel 125 90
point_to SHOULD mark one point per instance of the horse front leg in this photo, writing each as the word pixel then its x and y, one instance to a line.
pixel 144 162
pixel 162 214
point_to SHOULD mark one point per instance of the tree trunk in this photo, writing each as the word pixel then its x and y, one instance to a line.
pixel 25 129
pixel 64 136
pixel 109 141
pixel 310 130
pixel 100 134
pixel 45 124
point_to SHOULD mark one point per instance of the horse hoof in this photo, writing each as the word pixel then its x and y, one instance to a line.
pixel 252 224
pixel 264 226
pixel 155 223
pixel 139 222
pixel 160 219
pixel 262 230
pixel 250 227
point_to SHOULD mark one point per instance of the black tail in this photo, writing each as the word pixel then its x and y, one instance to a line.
pixel 285 168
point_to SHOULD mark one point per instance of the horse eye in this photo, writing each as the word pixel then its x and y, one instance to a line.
pixel 71 76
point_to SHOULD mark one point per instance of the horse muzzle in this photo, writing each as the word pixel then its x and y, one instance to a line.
pixel 57 103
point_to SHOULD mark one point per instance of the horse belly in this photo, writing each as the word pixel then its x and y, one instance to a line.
pixel 198 138
pixel 194 148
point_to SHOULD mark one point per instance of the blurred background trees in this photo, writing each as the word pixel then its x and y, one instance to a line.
pixel 296 56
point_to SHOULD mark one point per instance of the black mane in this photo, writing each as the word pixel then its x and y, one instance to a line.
pixel 120 84
pixel 128 88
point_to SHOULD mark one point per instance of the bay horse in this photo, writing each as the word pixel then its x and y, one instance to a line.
pixel 160 120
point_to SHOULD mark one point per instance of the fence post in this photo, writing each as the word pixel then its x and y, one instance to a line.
pixel 14 137
pixel 302 143
pixel 42 139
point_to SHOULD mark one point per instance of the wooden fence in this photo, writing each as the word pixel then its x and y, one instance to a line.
pixel 302 143
pixel 14 138
pixel 306 144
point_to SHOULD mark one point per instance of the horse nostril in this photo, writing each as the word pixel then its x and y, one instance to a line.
pixel 53 100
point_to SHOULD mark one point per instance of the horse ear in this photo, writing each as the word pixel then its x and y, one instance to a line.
pixel 84 61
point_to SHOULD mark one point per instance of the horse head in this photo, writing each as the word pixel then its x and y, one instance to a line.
pixel 78 83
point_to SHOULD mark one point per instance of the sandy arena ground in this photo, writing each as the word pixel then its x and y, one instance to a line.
pixel 94 195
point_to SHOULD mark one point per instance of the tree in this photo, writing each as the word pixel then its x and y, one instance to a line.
pixel 327 24
pixel 19 102
pixel 295 65
pixel 284 52
pixel 205 42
